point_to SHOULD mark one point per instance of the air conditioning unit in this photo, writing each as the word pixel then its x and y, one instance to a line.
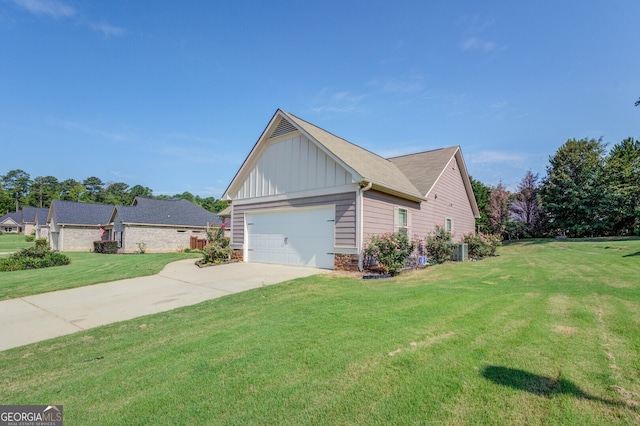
pixel 461 254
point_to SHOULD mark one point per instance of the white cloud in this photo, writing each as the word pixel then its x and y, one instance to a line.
pixel 343 101
pixel 106 29
pixel 51 8
pixel 475 43
pixel 485 157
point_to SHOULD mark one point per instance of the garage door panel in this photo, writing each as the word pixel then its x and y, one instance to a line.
pixel 293 237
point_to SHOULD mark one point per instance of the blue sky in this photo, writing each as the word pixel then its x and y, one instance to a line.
pixel 173 95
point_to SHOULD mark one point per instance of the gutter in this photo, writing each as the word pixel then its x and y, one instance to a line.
pixel 360 221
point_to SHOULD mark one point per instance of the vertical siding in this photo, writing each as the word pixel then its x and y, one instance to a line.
pixel 345 225
pixel 291 165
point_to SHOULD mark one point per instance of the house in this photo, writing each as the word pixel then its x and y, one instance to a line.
pixel 304 196
pixel 159 225
pixel 40 223
pixel 11 223
pixel 74 226
pixel 29 218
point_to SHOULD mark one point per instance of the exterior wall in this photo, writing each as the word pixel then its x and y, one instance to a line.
pixel 291 164
pixel 447 200
pixel 157 239
pixel 72 238
pixel 42 231
pixel 345 225
pixel 27 227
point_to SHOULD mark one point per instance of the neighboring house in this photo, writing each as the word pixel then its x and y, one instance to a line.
pixel 11 223
pixel 74 226
pixel 304 196
pixel 159 225
pixel 29 218
pixel 40 223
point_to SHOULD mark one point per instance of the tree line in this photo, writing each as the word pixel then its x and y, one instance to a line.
pixel 18 190
pixel 586 192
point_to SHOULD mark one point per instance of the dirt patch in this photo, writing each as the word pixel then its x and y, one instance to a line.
pixel 565 330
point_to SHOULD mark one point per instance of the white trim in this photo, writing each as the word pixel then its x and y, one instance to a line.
pixel 295 195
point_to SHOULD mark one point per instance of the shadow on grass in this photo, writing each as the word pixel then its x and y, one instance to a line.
pixel 541 385
pixel 632 254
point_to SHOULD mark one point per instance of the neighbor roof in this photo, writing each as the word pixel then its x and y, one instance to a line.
pixel 29 213
pixel 75 213
pixel 13 218
pixel 176 212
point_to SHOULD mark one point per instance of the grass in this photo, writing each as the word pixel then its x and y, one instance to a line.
pixel 546 333
pixel 85 269
pixel 12 242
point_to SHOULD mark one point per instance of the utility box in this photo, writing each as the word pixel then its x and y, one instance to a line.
pixel 461 254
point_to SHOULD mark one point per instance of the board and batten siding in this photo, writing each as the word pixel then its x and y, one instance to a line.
pixel 290 164
pixel 447 200
pixel 345 225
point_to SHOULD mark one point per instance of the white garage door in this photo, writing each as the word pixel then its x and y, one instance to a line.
pixel 304 236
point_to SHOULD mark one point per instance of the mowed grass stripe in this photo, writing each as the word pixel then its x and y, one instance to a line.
pixel 517 339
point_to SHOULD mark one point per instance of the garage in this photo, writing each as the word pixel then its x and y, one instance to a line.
pixel 301 236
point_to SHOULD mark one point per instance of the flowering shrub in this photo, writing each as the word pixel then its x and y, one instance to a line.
pixel 482 245
pixel 390 251
pixel 438 245
pixel 218 250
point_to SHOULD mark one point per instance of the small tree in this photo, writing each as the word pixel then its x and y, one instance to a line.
pixel 218 250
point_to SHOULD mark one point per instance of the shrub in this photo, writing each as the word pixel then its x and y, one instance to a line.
pixel 33 258
pixel 42 242
pixel 218 250
pixel 142 248
pixel 29 238
pixel 105 247
pixel 438 245
pixel 390 251
pixel 482 245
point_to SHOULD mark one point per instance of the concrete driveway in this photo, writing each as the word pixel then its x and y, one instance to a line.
pixel 44 316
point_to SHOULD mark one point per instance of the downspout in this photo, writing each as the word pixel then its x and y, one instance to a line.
pixel 360 228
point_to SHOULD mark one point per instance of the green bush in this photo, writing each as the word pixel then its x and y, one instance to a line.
pixel 105 247
pixel 438 245
pixel 29 238
pixel 390 251
pixel 482 245
pixel 33 258
pixel 218 250
pixel 42 242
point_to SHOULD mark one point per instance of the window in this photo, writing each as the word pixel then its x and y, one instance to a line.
pixel 448 225
pixel 403 221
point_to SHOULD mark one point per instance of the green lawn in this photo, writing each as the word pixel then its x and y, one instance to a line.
pixel 546 333
pixel 13 242
pixel 85 269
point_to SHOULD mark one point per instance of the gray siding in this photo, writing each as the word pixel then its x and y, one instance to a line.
pixel 345 226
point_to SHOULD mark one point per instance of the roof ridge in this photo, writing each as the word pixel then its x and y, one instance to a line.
pixel 423 152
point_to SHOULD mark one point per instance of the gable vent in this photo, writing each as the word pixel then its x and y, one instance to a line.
pixel 283 128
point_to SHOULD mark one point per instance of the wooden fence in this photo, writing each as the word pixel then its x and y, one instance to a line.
pixel 197 243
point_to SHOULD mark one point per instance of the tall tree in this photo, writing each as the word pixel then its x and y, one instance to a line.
pixel 116 193
pixel 526 207
pixel 139 191
pixel 42 190
pixel 622 179
pixel 94 189
pixel 498 208
pixel 6 202
pixel 71 190
pixel 16 182
pixel 482 193
pixel 572 192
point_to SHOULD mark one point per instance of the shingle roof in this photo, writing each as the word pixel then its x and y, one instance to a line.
pixel 14 216
pixel 74 213
pixel 424 168
pixel 371 167
pixel 41 216
pixel 177 212
pixel 29 213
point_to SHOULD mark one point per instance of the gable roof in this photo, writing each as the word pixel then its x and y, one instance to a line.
pixel 425 168
pixel 174 212
pixel 12 218
pixel 365 166
pixel 29 213
pixel 41 216
pixel 75 213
